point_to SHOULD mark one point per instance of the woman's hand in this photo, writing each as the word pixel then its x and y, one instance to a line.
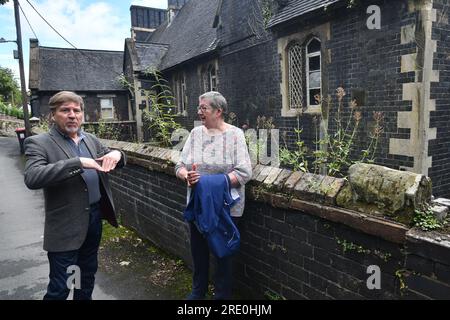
pixel 233 180
pixel 192 177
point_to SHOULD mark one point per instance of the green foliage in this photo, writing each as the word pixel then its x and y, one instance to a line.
pixel 352 3
pixel 11 111
pixel 266 11
pixel 259 190
pixel 44 124
pixel 264 123
pixel 339 144
pixel 160 118
pixel 400 274
pixel 270 295
pixel 104 130
pixel 9 88
pixel 232 118
pixel 161 114
pixel 350 246
pixel 382 255
pixel 425 219
pixel 122 80
pixel 257 147
pixel 295 159
pixel 161 270
pixel 334 151
pixel 107 131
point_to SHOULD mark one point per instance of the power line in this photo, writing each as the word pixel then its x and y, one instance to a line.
pixel 29 24
pixel 51 25
pixel 89 60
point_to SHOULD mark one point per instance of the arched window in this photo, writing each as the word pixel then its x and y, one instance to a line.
pixel 209 77
pixel 313 71
pixel 295 67
pixel 204 79
pixel 180 92
pixel 182 107
pixel 212 77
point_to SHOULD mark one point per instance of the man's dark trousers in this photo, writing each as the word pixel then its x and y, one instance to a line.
pixel 85 258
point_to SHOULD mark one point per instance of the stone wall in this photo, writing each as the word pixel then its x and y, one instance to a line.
pixel 8 125
pixel 296 242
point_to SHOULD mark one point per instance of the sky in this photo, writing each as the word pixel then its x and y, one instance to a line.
pixel 87 24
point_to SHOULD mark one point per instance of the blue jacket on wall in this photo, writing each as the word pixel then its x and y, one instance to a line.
pixel 209 209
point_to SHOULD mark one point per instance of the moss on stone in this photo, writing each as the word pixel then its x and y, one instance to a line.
pixel 378 190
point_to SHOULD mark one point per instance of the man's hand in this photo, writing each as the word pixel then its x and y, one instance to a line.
pixel 88 163
pixel 110 160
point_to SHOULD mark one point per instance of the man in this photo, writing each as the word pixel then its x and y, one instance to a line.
pixel 71 166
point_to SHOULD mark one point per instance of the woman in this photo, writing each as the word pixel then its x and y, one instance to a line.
pixel 216 147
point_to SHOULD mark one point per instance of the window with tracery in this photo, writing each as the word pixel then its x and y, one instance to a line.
pixel 304 74
pixel 295 67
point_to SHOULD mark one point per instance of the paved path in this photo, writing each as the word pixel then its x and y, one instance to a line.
pixel 23 263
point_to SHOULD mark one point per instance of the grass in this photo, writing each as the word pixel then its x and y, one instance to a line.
pixel 123 252
pixel 155 268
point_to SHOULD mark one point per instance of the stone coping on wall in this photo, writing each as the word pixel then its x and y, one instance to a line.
pixel 281 188
pixel 437 248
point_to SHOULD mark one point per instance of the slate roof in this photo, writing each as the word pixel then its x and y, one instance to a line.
pixel 297 8
pixel 145 55
pixel 190 34
pixel 79 70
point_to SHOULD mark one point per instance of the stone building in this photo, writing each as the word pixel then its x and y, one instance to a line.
pixel 90 73
pixel 183 47
pixel 272 58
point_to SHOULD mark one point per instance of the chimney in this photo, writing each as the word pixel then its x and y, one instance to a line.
pixel 144 21
pixel 34 43
pixel 33 79
pixel 174 6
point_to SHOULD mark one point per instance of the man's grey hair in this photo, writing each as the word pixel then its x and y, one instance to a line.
pixel 216 100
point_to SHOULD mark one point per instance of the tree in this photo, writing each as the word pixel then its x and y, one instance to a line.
pixel 3 1
pixel 9 88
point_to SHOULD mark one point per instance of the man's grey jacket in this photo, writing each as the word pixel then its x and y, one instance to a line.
pixel 53 166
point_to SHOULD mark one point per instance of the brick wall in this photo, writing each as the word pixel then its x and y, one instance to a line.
pixel 193 80
pixel 440 147
pixel 249 70
pixel 291 247
pixel 370 60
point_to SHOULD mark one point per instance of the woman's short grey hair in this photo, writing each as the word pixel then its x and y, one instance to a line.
pixel 65 96
pixel 216 100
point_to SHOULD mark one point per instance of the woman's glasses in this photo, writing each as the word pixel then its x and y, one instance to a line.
pixel 203 108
